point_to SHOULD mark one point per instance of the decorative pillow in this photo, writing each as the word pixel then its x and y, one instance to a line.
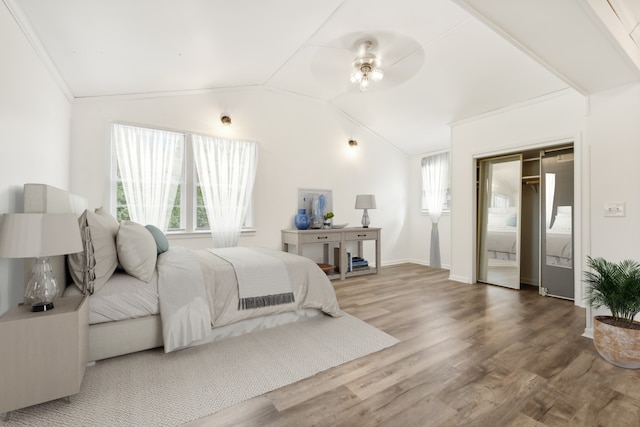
pixel 162 244
pixel 137 250
pixel 91 268
pixel 109 220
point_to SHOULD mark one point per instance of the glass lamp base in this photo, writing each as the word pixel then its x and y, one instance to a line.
pixel 41 288
pixel 365 219
pixel 43 306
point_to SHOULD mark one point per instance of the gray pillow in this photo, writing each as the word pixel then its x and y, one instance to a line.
pixel 162 244
pixel 91 268
pixel 137 250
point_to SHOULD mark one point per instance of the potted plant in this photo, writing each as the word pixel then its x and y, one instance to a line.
pixel 617 287
pixel 327 219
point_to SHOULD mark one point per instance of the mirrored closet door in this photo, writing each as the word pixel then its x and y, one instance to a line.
pixel 556 266
pixel 499 201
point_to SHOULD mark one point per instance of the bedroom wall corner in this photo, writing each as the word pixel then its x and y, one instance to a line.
pixel 35 131
pixel 303 144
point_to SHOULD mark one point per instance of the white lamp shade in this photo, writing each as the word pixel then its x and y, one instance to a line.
pixel 30 235
pixel 365 201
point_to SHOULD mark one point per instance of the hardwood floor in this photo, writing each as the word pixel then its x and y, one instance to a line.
pixel 472 355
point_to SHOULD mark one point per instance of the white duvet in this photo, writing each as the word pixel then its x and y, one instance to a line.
pixel 192 299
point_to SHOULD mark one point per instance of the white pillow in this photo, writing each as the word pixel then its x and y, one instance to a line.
pixel 109 221
pixel 137 250
pixel 91 268
pixel 498 220
pixel 562 222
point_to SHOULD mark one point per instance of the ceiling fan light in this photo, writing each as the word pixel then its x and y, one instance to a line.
pixel 356 76
pixel 364 84
pixel 376 74
pixel 365 67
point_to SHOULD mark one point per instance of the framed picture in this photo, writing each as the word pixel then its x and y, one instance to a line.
pixel 316 203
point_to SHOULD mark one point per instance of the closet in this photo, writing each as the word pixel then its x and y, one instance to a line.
pixel 525 220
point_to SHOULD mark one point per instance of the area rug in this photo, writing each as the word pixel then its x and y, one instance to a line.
pixel 151 388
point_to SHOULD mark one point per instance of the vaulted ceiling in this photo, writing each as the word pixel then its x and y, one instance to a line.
pixel 444 60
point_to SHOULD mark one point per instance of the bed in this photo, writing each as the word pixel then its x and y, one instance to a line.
pixel 502 233
pixel 176 297
pixel 559 239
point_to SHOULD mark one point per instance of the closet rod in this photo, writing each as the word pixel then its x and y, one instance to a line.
pixel 551 150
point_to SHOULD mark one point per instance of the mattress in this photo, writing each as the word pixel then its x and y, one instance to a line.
pixel 122 297
pixel 502 240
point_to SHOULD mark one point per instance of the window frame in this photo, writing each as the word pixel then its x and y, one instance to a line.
pixel 188 197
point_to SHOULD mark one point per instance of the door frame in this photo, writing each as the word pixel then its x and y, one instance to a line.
pixel 481 223
pixel 581 187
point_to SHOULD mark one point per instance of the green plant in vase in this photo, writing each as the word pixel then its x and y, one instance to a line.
pixel 617 287
pixel 328 219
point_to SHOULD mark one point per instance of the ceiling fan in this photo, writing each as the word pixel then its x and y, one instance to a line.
pixel 366 66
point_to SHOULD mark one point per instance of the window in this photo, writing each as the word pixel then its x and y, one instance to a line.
pixel 122 210
pixel 149 170
pixel 436 181
pixel 226 173
pixel 499 200
pixel 187 211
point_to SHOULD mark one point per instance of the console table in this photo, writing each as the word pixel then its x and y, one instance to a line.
pixel 339 236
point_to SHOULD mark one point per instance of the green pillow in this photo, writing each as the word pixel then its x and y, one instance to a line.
pixel 161 240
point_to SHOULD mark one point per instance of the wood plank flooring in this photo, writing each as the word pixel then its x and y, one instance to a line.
pixel 470 355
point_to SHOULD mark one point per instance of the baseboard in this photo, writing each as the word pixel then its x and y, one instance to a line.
pixel 426 264
pixel 461 279
pixel 588 333
pixel 394 262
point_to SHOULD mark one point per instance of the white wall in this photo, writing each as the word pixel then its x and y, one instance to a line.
pixel 303 144
pixel 555 119
pixel 613 133
pixel 34 127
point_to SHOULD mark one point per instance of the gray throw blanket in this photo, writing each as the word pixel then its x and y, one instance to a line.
pixel 263 280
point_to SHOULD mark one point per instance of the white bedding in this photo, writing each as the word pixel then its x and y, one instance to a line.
pixel 123 297
pixel 559 247
pixel 183 318
pixel 502 240
pixel 203 290
pixel 311 288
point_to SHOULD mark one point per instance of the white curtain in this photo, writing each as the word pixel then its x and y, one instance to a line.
pixel 150 163
pixel 435 181
pixel 226 170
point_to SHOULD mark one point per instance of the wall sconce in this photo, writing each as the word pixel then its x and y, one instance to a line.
pixel 353 143
pixel 226 120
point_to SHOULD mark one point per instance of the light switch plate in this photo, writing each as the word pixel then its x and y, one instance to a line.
pixel 614 209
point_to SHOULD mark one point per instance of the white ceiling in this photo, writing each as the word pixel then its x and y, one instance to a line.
pixel 444 60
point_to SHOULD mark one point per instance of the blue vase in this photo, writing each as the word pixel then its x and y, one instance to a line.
pixel 302 220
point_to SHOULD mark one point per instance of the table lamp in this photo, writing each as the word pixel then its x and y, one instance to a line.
pixel 35 235
pixel 365 201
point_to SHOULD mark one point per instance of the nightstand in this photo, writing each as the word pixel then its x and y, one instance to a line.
pixel 44 355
